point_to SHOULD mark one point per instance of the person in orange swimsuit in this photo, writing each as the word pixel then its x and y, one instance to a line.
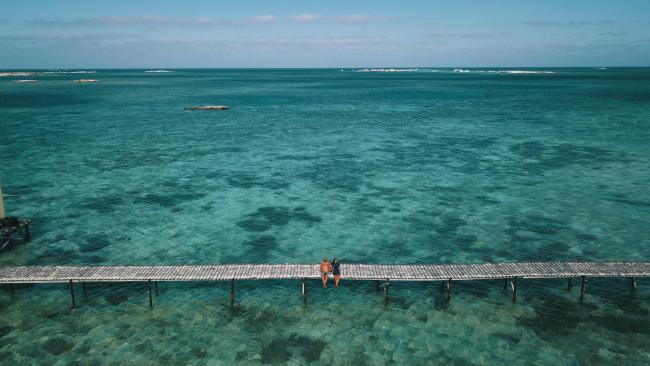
pixel 325 269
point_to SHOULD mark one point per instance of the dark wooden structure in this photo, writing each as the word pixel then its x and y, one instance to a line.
pixel 11 226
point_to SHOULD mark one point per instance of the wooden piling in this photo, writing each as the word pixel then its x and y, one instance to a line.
pixel 150 297
pixel 74 301
pixel 155 285
pixel 304 290
pixel 387 288
pixel 232 292
pixel 582 288
pixel 514 289
pixel 28 236
pixel 449 290
pixel 569 284
pixel 633 283
pixel 2 205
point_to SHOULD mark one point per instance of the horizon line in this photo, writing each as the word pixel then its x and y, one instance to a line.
pixel 314 68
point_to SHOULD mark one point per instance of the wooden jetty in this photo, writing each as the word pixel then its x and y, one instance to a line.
pixel 381 273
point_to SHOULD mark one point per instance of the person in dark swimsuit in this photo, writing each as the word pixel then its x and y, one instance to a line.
pixel 336 271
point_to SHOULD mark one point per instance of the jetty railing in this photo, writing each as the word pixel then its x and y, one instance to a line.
pixel 381 273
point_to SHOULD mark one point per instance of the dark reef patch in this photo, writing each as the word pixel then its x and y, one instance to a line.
pixel 152 198
pixel 261 248
pixel 536 237
pixel 280 351
pixel 529 149
pixel 440 236
pixel 548 157
pixel 102 205
pixel 170 200
pixel 254 224
pixel 5 329
pixel 95 243
pixel 267 217
pixel 536 224
pixel 247 180
pixel 116 298
pixel 630 202
pixel 255 250
pixel 57 346
pixel 199 352
pixel 512 338
pixel 555 315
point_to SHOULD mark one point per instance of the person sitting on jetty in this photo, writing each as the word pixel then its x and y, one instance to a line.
pixel 336 270
pixel 325 269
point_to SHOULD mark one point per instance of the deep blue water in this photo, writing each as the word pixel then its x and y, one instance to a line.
pixel 417 167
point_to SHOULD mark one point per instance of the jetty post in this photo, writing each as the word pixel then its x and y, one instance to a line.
pixel 633 283
pixel 74 301
pixel 514 289
pixel 582 289
pixel 150 297
pixel 232 292
pixel 387 289
pixel 449 290
pixel 304 290
pixel 569 285
pixel 2 205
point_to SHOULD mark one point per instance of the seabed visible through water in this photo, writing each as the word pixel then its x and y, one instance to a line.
pixel 370 167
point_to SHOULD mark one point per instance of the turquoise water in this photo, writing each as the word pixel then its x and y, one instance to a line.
pixel 413 167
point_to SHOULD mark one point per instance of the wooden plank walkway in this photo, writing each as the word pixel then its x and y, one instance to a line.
pixel 398 272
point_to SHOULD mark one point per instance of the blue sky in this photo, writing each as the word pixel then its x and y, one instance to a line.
pixel 327 33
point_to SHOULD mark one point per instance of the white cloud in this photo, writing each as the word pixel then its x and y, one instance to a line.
pixel 354 18
pixel 568 23
pixel 466 34
pixel 263 19
pixel 143 20
pixel 148 21
pixel 305 17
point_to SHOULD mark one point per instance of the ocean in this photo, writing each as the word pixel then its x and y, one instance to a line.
pixel 378 166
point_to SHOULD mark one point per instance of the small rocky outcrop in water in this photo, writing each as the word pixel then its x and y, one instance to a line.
pixel 207 108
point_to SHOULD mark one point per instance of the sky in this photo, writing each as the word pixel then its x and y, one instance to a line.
pixel 323 33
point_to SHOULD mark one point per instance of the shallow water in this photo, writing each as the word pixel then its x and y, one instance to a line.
pixel 371 167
